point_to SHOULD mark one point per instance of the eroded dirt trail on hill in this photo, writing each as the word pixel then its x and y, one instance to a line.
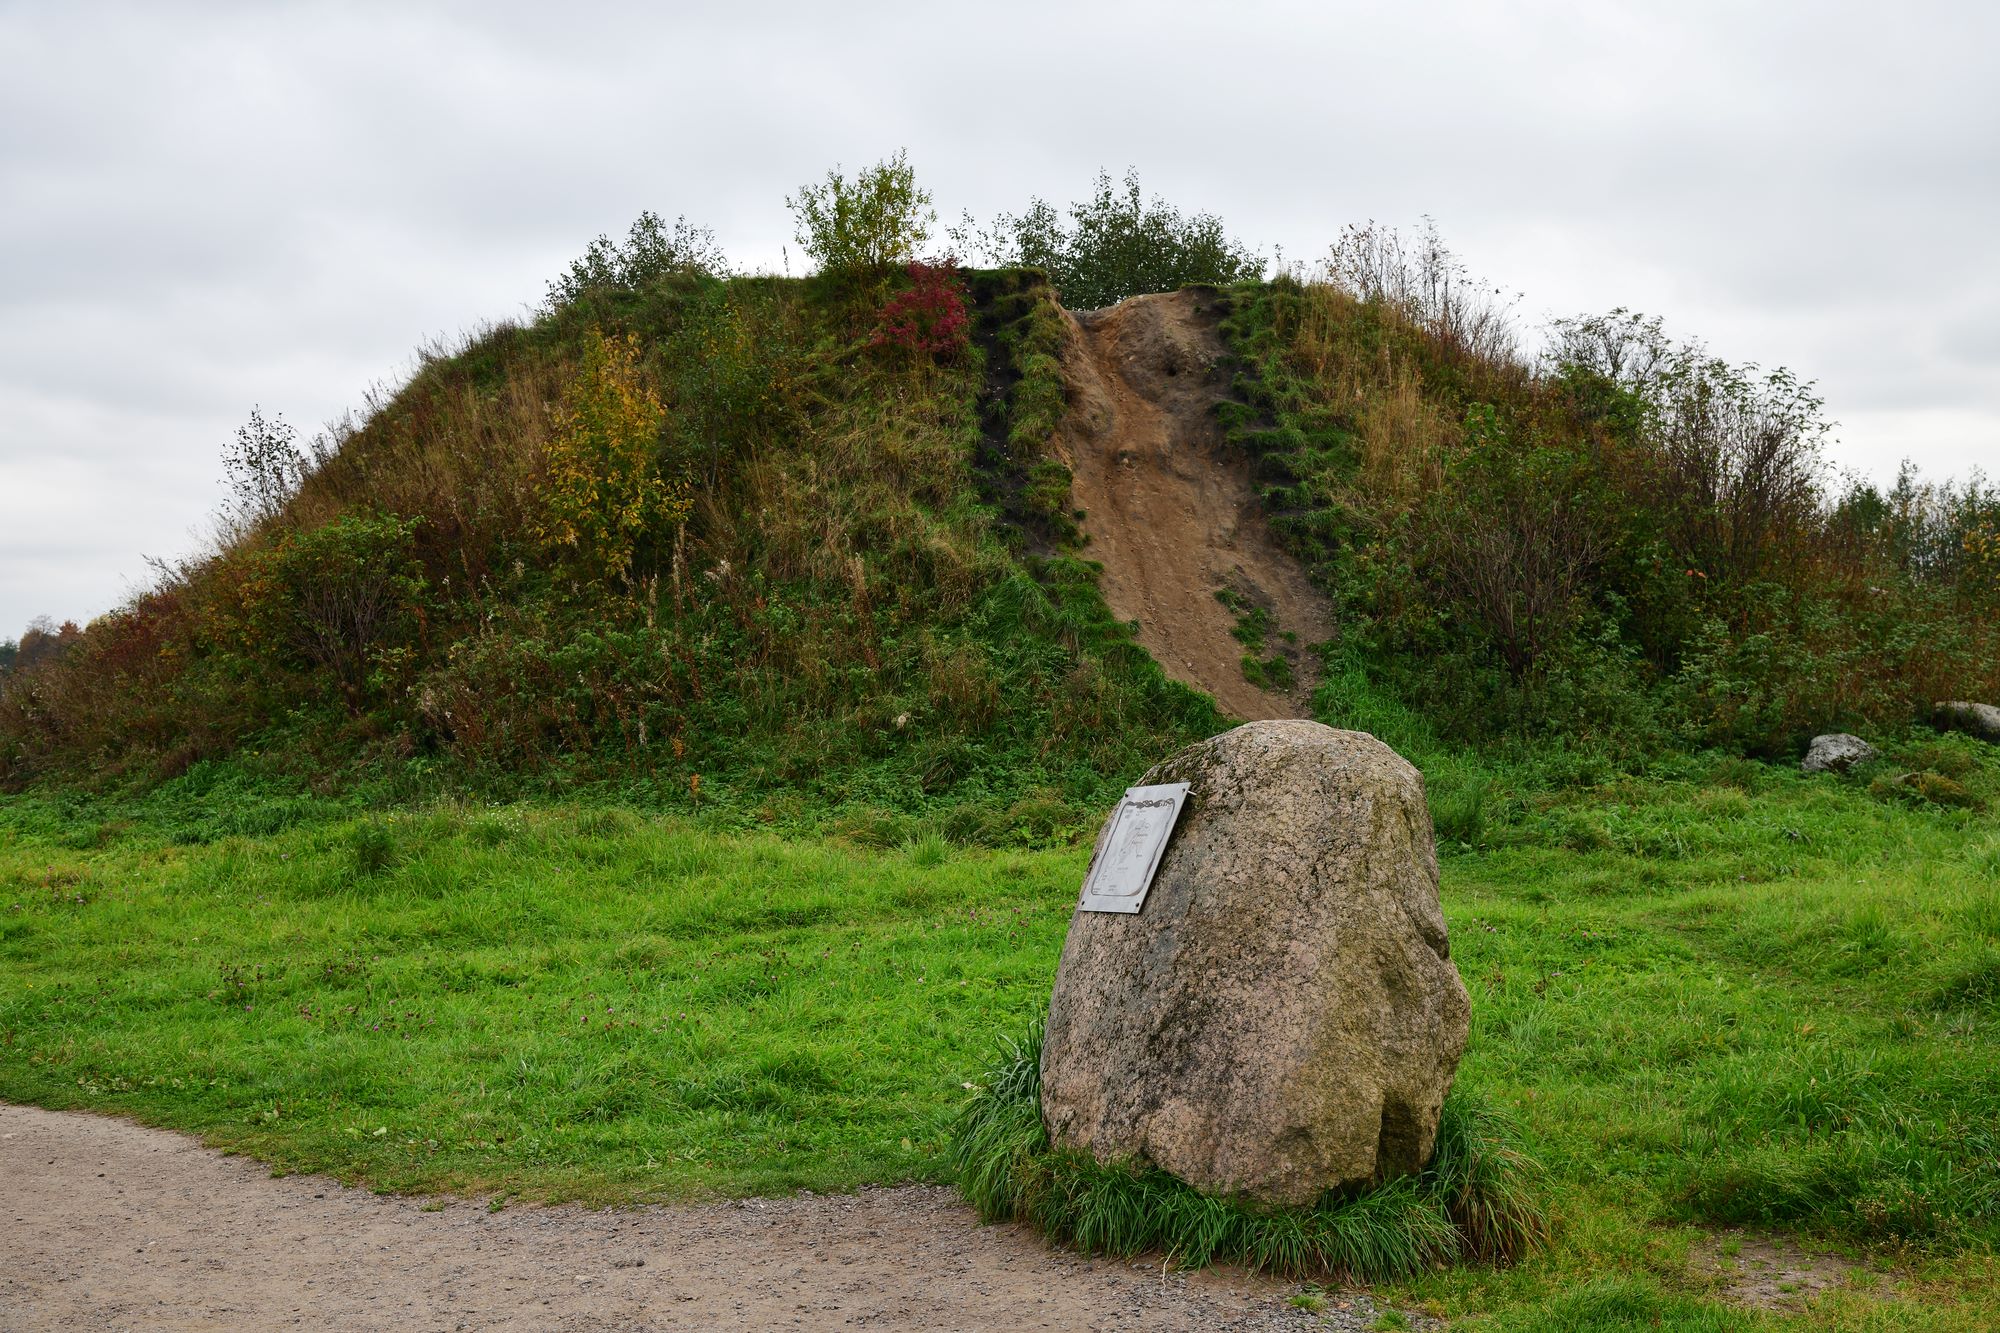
pixel 1171 512
pixel 108 1225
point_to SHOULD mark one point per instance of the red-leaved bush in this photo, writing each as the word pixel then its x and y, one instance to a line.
pixel 928 317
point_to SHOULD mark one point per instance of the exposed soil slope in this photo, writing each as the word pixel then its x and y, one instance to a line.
pixel 1170 512
pixel 105 1224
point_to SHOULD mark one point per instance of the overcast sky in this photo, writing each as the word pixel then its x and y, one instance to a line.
pixel 205 207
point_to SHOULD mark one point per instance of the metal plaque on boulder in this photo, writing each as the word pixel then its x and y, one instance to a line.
pixel 1130 850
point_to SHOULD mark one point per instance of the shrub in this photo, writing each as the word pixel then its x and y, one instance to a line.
pixel 865 226
pixel 927 319
pixel 522 692
pixel 651 252
pixel 603 492
pixel 1115 245
pixel 1926 788
pixel 344 598
pixel 1512 541
pixel 1626 539
pixel 1419 278
pixel 1775 663
pixel 1729 454
pixel 1475 1201
pixel 729 374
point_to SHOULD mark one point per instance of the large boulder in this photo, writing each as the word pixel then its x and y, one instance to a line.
pixel 1981 720
pixel 1282 1017
pixel 1836 753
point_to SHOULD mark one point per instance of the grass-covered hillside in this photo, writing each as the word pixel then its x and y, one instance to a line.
pixel 652 753
pixel 1615 542
pixel 803 546
pixel 788 546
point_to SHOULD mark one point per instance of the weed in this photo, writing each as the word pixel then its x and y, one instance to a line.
pixel 1458 810
pixel 1272 673
pixel 927 851
pixel 1926 788
pixel 375 847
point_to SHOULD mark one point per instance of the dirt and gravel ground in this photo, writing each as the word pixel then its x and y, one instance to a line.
pixel 108 1225
pixel 1767 1271
pixel 1170 510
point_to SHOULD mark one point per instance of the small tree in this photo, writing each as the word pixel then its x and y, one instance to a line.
pixel 1115 245
pixel 604 490
pixel 264 467
pixel 865 226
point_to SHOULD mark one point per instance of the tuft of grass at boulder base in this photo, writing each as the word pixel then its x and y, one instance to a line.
pixel 1476 1200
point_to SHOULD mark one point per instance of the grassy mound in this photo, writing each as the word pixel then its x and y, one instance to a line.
pixel 1475 1201
pixel 706 542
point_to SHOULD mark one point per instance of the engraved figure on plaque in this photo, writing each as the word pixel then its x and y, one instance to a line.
pixel 1130 852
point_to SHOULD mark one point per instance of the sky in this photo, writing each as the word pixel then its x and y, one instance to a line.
pixel 210 207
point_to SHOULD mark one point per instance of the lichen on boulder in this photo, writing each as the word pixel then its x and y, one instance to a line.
pixel 1282 1018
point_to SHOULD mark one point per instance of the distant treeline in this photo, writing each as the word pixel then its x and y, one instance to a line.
pixel 42 641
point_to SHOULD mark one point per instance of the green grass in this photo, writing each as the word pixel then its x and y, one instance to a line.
pixel 583 1004
pixel 1253 629
pixel 1718 993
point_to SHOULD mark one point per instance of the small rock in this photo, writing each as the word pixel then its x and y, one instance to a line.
pixel 1981 720
pixel 1836 753
pixel 1282 1018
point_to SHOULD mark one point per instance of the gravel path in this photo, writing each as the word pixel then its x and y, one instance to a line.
pixel 108 1225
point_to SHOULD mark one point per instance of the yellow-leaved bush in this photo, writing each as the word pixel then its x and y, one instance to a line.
pixel 1982 556
pixel 603 491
